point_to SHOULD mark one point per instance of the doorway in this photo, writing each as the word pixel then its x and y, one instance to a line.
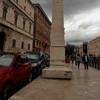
pixel 2 39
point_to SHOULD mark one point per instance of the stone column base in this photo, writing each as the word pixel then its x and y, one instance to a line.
pixel 60 72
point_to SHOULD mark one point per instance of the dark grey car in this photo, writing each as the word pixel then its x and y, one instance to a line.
pixel 37 61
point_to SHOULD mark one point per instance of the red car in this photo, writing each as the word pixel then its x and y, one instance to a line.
pixel 14 69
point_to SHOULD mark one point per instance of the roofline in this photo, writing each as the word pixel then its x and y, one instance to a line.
pixel 39 6
pixel 30 3
pixel 94 39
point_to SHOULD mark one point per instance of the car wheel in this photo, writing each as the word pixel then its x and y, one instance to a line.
pixel 30 78
pixel 6 91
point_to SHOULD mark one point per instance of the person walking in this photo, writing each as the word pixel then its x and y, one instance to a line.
pixel 72 59
pixel 85 61
pixel 78 60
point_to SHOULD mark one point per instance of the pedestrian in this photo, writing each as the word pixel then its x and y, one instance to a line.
pixel 85 61
pixel 78 60
pixel 75 60
pixel 72 59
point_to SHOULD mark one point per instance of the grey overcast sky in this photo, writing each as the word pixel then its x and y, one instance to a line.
pixel 81 18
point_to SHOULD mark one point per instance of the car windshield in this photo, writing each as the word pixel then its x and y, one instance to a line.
pixel 6 60
pixel 32 56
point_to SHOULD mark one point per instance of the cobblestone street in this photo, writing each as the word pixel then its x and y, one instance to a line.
pixel 85 85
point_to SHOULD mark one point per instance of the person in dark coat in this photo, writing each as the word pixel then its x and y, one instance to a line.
pixel 85 61
pixel 72 58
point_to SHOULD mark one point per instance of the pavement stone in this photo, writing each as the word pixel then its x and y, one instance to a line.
pixel 85 85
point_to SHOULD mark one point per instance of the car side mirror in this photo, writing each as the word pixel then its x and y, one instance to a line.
pixel 18 65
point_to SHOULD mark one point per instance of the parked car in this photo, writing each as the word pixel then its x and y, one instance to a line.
pixel 37 61
pixel 15 68
pixel 0 53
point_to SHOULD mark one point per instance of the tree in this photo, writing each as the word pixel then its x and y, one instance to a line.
pixel 69 49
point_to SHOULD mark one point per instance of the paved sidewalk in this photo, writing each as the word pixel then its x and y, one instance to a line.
pixel 85 85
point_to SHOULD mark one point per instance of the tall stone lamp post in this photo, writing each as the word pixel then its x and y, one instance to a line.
pixel 58 68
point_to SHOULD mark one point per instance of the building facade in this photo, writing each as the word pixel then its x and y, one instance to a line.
pixel 94 47
pixel 16 25
pixel 42 27
pixel 81 50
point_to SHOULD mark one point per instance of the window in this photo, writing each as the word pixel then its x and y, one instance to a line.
pixel 28 46
pixel 30 27
pixel 18 60
pixel 40 43
pixel 15 18
pixel 4 12
pixel 6 60
pixel 37 42
pixel 24 59
pixel 22 46
pixel 23 24
pixel 14 43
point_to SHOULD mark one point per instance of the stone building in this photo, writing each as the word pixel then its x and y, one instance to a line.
pixel 16 25
pixel 42 27
pixel 94 47
pixel 81 50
